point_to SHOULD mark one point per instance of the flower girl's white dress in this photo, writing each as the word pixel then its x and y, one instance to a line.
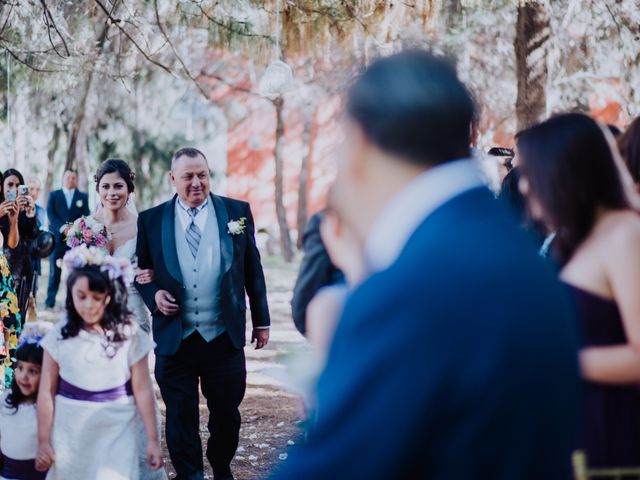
pixel 18 440
pixel 95 431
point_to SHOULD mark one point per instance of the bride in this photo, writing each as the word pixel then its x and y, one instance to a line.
pixel 114 184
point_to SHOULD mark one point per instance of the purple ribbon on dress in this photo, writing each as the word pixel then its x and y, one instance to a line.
pixel 20 469
pixel 67 390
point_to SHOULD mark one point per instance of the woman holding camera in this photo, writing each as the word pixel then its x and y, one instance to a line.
pixel 15 194
pixel 10 318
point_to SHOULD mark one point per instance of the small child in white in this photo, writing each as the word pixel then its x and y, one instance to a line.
pixel 18 422
pixel 95 377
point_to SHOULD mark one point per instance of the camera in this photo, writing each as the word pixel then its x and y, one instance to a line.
pixel 23 190
pixel 11 195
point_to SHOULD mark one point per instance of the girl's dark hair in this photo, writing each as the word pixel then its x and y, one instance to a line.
pixel 571 172
pixel 1 187
pixel 116 313
pixel 12 172
pixel 115 165
pixel 29 352
pixel 629 145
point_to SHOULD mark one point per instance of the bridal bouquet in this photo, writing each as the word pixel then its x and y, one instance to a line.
pixel 89 232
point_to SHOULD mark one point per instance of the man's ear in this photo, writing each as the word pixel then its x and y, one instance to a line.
pixel 172 178
pixel 360 151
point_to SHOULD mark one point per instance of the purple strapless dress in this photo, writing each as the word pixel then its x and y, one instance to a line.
pixel 610 431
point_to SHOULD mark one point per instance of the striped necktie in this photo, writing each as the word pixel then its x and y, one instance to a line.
pixel 193 233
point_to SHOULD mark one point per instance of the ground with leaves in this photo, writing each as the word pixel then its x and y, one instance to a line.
pixel 270 414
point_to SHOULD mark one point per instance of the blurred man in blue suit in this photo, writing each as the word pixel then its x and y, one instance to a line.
pixel 456 357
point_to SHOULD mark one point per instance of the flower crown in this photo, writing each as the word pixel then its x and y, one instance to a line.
pixel 33 333
pixel 116 268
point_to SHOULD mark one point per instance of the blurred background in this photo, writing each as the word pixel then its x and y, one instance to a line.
pixel 81 81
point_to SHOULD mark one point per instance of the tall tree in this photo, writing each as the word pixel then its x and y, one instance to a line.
pixel 281 213
pixel 532 35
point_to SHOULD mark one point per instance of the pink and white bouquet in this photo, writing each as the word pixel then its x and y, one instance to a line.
pixel 89 232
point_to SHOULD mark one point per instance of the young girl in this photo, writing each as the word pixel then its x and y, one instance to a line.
pixel 18 430
pixel 94 376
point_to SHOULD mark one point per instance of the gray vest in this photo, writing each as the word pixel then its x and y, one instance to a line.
pixel 201 307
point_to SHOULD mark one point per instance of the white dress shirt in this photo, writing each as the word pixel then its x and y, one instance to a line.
pixel 183 216
pixel 412 205
pixel 68 196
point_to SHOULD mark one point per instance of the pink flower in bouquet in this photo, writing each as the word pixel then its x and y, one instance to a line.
pixel 101 241
pixel 73 242
pixel 82 224
pixel 87 236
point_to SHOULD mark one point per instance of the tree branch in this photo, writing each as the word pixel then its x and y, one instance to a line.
pixel 116 22
pixel 29 65
pixel 50 22
pixel 175 52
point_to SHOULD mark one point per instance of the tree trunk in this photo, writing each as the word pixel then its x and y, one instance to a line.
pixel 307 148
pixel 74 144
pixel 51 164
pixel 532 33
pixel 281 214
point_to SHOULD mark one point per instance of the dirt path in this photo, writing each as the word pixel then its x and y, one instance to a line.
pixel 270 415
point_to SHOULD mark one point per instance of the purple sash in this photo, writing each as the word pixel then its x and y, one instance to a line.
pixel 67 390
pixel 20 469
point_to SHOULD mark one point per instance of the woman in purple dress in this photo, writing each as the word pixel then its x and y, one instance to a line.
pixel 572 181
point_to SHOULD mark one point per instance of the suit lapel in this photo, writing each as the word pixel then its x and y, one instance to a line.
pixel 168 235
pixel 226 242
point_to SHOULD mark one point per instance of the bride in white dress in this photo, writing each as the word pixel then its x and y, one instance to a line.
pixel 114 183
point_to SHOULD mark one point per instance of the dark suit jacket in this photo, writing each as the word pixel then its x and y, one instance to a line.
pixel 59 214
pixel 457 362
pixel 316 271
pixel 240 265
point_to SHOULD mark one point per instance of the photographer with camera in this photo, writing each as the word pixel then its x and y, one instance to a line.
pixel 15 197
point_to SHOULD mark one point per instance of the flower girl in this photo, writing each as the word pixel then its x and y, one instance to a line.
pixel 95 374
pixel 18 429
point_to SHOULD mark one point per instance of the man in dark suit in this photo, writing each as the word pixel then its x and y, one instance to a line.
pixel 64 206
pixel 316 271
pixel 456 356
pixel 204 256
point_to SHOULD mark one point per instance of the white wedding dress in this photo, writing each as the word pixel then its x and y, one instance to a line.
pixel 143 318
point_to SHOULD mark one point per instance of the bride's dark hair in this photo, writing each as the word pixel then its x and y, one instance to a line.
pixel 115 165
pixel 116 313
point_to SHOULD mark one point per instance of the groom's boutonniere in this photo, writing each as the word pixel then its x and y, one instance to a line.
pixel 236 227
pixel 79 203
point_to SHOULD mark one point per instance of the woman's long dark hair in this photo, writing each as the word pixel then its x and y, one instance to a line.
pixel 116 313
pixel 12 172
pixel 29 352
pixel 571 172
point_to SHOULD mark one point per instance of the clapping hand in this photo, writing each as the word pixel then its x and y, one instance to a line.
pixel 154 455
pixel 45 457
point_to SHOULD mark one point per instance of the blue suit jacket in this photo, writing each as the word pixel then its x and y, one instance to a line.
pixel 457 362
pixel 59 213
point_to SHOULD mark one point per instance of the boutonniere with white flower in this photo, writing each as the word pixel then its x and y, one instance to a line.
pixel 79 203
pixel 237 227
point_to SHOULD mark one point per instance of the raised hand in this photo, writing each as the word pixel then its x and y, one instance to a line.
pixel 27 204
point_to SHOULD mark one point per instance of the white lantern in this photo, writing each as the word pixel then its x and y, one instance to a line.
pixel 277 79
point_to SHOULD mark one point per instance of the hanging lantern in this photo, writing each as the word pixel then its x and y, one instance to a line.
pixel 277 79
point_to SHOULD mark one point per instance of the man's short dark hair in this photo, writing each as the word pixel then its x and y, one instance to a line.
pixel 187 152
pixel 72 170
pixel 413 105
